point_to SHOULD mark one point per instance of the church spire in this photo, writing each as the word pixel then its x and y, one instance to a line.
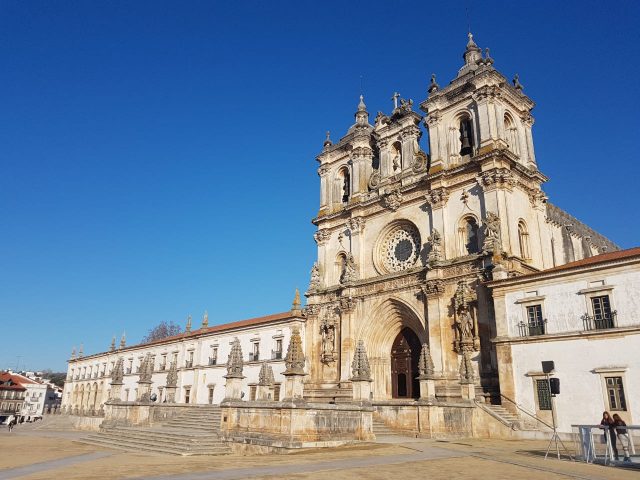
pixel 472 55
pixel 362 116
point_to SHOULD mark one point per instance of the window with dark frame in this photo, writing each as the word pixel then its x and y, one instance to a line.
pixel 615 393
pixel 544 394
pixel 535 320
pixel 602 312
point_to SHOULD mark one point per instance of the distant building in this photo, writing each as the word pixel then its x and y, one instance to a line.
pixel 12 394
pixel 584 317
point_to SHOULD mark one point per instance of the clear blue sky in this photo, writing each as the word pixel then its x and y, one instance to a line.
pixel 158 158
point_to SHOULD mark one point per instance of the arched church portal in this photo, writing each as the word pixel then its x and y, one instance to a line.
pixel 405 354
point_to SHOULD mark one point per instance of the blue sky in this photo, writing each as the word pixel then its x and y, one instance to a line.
pixel 158 158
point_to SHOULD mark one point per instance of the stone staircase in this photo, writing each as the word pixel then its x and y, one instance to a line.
pixel 380 429
pixel 503 414
pixel 194 432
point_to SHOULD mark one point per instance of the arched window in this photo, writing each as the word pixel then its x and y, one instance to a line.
pixel 523 240
pixel 396 157
pixel 511 134
pixel 344 185
pixel 466 136
pixel 468 236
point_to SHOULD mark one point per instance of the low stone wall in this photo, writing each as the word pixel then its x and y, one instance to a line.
pixel 278 425
pixel 85 423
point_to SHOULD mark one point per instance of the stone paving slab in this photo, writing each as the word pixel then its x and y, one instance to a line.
pixel 50 465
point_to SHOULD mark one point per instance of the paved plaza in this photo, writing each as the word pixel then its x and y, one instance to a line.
pixel 33 453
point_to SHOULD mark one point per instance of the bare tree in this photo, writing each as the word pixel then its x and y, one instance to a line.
pixel 162 330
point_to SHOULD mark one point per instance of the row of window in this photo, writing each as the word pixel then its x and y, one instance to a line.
pixel 11 394
pixel 615 394
pixel 10 407
pixel 603 317
pixel 254 356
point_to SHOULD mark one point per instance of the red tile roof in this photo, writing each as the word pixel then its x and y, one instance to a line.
pixel 596 259
pixel 213 329
pixel 18 382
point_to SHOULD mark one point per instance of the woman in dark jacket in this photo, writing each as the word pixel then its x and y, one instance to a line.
pixel 623 435
pixel 609 427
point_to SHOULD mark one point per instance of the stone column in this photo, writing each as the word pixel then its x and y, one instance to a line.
pixel 233 386
pixel 426 377
pixel 294 373
pixel 265 383
pixel 361 375
pixel 467 375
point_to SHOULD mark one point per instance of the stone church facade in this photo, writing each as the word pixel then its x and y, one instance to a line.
pixel 407 238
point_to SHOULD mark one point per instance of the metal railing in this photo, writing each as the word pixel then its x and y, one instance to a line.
pixel 600 322
pixel 276 354
pixel 530 329
pixel 254 356
pixel 188 364
pixel 525 411
pixel 213 361
pixel 593 444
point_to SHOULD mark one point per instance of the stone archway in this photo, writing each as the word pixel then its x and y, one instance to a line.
pixel 405 354
pixel 379 332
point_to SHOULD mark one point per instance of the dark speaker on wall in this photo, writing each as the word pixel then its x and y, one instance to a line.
pixel 548 367
pixel 554 386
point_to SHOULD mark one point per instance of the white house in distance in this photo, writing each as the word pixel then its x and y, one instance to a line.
pixel 200 356
pixel 584 316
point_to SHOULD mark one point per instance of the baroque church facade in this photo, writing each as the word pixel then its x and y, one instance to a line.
pixel 407 238
pixel 408 241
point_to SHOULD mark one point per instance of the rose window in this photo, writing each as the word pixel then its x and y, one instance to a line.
pixel 400 248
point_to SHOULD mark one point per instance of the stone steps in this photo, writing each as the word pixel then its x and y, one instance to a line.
pixel 504 413
pixel 193 432
pixel 381 429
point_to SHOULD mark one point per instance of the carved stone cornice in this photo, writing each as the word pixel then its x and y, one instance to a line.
pixel 432 120
pixel 356 225
pixel 362 152
pixel 433 288
pixel 392 200
pixel 322 236
pixel 311 310
pixel 497 178
pixel 347 304
pixel 409 132
pixel 437 197
pixel 323 170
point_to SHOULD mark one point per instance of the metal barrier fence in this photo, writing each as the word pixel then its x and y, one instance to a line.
pixel 594 444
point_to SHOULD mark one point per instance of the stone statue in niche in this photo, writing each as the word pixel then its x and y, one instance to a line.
pixel 465 321
pixel 492 242
pixel 348 269
pixel 396 161
pixel 328 333
pixel 315 277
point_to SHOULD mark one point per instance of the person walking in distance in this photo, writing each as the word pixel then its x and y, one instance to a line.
pixel 12 423
pixel 609 427
pixel 623 435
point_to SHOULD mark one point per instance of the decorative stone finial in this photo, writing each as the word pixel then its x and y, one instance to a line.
pixel 112 348
pixel 123 340
pixel 172 375
pixel 265 377
pixel 360 366
pixel 205 319
pixel 235 362
pixel 361 106
pixel 327 141
pixel 117 374
pixel 425 363
pixel 487 58
pixel 145 370
pixel 295 306
pixel 188 328
pixel 294 360
pixel 81 351
pixel 73 353
pixel 516 83
pixel 433 86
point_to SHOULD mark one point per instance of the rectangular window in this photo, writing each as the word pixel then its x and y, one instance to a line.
pixel 277 353
pixel 615 392
pixel 254 355
pixel 276 392
pixel 187 395
pixel 252 393
pixel 210 395
pixel 544 394
pixel 189 362
pixel 535 320
pixel 602 317
pixel 213 359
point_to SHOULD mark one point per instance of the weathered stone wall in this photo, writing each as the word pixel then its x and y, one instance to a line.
pixel 285 425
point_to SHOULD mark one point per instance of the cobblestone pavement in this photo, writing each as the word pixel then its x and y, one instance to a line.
pixel 32 454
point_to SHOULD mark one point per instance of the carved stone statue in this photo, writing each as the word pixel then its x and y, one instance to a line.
pixel 466 327
pixel 435 254
pixel 348 269
pixel 328 333
pixel 492 242
pixel 315 277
